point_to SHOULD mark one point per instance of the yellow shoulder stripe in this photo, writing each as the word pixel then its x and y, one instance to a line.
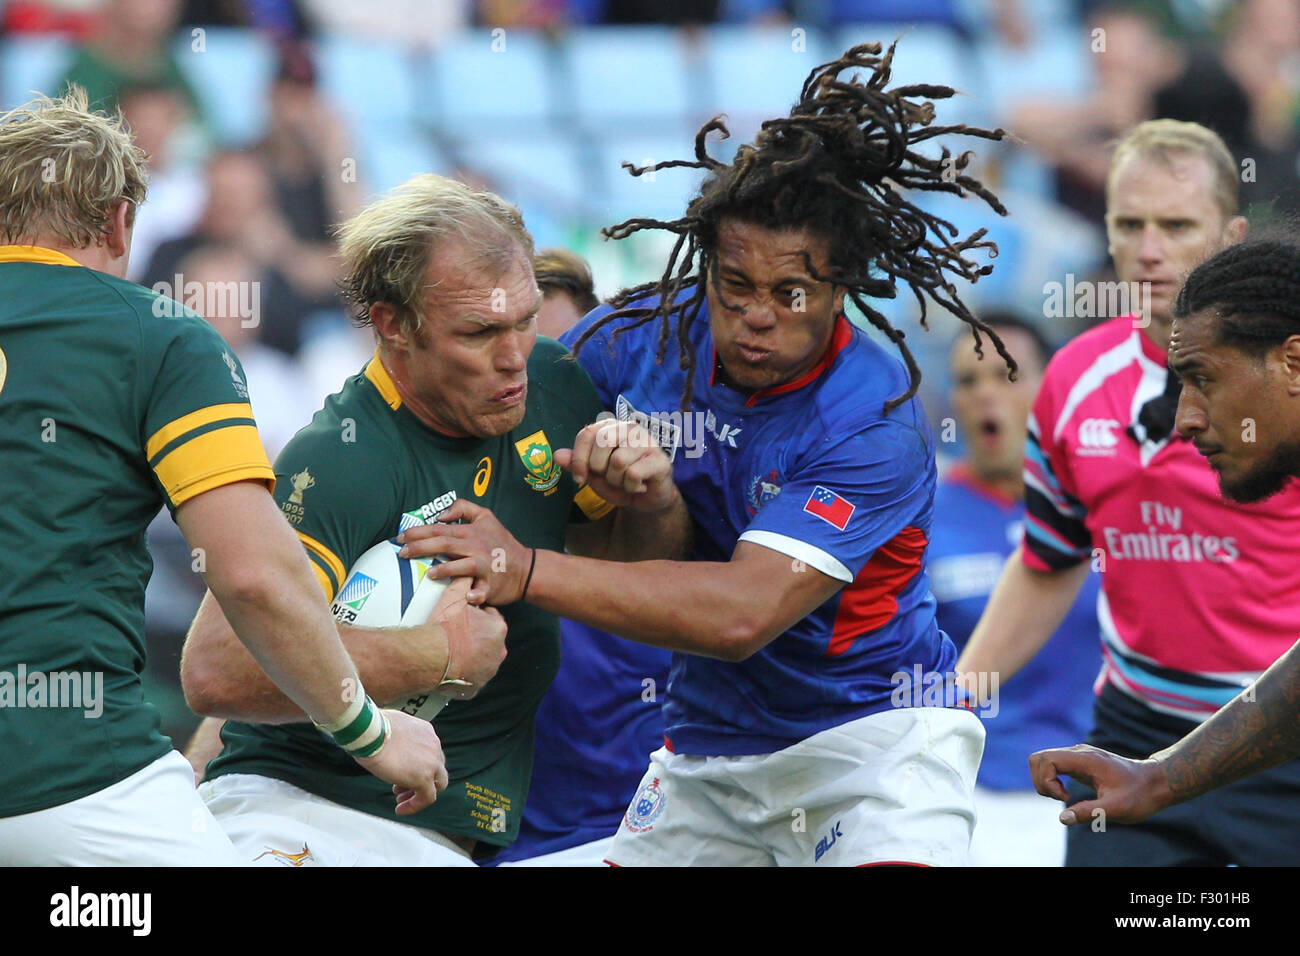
pixel 213 459
pixel 330 559
pixel 203 416
pixel 593 505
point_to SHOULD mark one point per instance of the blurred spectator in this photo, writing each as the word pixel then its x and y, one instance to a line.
pixel 132 43
pixel 282 18
pixel 528 14
pixel 1131 62
pixel 240 210
pixel 1249 93
pixel 305 151
pixel 978 521
pixel 405 23
pixel 155 114
pixel 567 290
pixel 73 18
pixel 229 294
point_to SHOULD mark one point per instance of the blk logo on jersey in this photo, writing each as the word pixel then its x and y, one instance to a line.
pixel 829 506
pixel 1097 436
pixel 726 435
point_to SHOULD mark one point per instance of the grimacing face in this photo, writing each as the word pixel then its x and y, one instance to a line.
pixel 1232 407
pixel 467 372
pixel 992 411
pixel 781 320
pixel 1162 221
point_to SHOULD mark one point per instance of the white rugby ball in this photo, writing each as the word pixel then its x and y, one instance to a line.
pixel 383 589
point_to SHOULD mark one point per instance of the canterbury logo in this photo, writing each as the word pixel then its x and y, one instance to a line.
pixel 289 859
pixel 1098 433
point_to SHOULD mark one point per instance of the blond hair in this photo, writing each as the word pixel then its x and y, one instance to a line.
pixel 1165 138
pixel 64 169
pixel 386 248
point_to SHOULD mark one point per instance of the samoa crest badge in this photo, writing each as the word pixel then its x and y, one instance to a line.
pixel 646 807
pixel 540 468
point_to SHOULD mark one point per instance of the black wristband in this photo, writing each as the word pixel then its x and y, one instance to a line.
pixel 529 580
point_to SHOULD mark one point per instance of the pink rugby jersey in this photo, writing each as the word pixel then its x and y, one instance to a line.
pixel 1198 594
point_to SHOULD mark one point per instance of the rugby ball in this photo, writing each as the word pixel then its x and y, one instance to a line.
pixel 383 589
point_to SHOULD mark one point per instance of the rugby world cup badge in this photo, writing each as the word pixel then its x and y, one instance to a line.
pixel 542 473
pixel 646 807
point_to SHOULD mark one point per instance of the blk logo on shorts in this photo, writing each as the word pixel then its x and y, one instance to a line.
pixel 825 843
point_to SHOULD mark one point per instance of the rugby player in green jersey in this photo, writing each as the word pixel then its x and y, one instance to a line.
pixel 462 402
pixel 113 402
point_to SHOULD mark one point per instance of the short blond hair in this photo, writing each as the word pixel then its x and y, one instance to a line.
pixel 1165 138
pixel 387 246
pixel 64 169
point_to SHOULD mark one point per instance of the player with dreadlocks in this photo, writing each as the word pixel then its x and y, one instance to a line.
pixel 1236 347
pixel 810 717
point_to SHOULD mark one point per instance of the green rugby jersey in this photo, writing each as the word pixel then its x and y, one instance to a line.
pixel 113 401
pixel 367 468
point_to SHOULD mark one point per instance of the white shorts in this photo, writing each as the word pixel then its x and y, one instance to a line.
pixel 584 854
pixel 893 787
pixel 152 818
pixel 273 823
pixel 1017 828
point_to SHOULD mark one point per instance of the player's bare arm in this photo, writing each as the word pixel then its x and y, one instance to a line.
pixel 1256 731
pixel 625 466
pixel 1023 613
pixel 710 608
pixel 221 679
pixel 259 572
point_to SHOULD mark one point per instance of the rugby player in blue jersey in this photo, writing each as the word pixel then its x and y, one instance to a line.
pixel 810 712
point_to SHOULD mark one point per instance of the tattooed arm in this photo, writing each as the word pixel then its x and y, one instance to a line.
pixel 1257 730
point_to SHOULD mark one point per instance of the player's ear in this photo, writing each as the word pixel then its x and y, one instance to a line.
pixel 120 220
pixel 384 318
pixel 1234 231
pixel 1291 360
pixel 840 293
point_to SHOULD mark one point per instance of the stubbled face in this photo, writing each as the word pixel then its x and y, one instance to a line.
pixel 991 410
pixel 1162 222
pixel 468 372
pixel 780 319
pixel 1231 407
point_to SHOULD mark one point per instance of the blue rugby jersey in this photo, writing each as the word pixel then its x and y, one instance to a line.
pixel 812 469
pixel 1049 702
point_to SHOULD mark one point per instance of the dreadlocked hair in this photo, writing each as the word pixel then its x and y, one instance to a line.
pixel 834 166
pixel 1254 287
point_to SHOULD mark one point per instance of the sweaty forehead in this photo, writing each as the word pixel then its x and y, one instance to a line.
pixel 744 245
